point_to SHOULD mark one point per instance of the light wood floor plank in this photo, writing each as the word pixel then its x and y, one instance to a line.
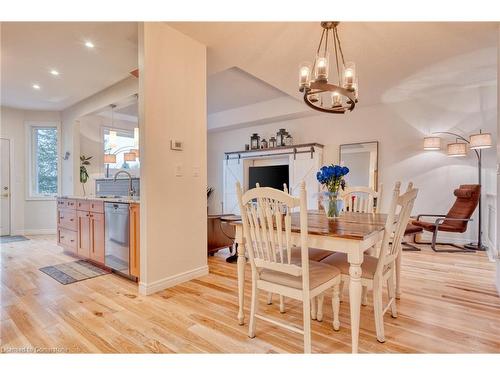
pixel 449 305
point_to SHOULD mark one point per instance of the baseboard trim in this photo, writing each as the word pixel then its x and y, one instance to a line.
pixel 168 282
pixel 33 232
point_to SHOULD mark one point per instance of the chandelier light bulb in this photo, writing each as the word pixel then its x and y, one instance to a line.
pixel 336 99
pixel 304 75
pixel 321 68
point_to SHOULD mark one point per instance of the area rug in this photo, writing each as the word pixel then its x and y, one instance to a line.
pixel 69 273
pixel 7 239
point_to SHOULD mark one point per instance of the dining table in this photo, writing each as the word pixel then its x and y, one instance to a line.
pixel 351 233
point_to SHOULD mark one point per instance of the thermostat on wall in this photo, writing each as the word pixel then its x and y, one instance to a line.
pixel 176 145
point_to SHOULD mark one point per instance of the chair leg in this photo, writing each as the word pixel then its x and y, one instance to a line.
pixel 306 307
pixel 253 309
pixel 391 291
pixel 433 243
pixel 336 307
pixel 341 291
pixel 319 315
pixel 282 304
pixel 364 296
pixel 269 298
pixel 377 309
pixel 314 304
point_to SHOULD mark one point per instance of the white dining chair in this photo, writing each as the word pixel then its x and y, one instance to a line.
pixel 266 218
pixel 378 271
pixel 361 199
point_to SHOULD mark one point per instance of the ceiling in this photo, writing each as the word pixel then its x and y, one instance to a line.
pixel 390 57
pixel 29 50
pixel 232 88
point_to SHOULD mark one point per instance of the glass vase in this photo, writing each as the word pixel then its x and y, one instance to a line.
pixel 332 204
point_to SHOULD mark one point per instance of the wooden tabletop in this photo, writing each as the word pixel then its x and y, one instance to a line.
pixel 356 226
pixel 350 225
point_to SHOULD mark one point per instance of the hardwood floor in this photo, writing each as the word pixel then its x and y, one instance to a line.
pixel 449 305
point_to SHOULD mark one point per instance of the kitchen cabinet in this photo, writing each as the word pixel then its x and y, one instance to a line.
pixel 97 237
pixel 81 230
pixel 83 234
pixel 134 222
pixel 91 232
pixel 67 225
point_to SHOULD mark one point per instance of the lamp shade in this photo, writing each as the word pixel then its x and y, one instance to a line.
pixel 457 149
pixel 481 140
pixel 109 158
pixel 432 143
pixel 129 156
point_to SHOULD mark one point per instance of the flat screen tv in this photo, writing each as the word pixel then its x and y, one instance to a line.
pixel 268 176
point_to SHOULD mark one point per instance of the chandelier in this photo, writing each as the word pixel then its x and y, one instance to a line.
pixel 320 93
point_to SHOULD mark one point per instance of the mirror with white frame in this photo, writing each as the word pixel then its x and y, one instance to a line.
pixel 362 161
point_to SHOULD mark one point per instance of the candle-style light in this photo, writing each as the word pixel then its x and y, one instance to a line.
pixel 349 75
pixel 336 99
pixel 304 74
pixel 321 67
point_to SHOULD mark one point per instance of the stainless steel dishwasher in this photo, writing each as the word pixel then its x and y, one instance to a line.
pixel 116 229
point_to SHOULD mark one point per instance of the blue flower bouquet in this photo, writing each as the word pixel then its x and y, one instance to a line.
pixel 332 179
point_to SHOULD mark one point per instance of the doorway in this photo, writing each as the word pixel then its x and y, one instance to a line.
pixel 4 187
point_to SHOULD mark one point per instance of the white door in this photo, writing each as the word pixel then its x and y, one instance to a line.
pixel 233 172
pixel 4 187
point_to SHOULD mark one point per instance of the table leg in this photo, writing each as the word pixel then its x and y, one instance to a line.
pixel 398 275
pixel 355 289
pixel 241 282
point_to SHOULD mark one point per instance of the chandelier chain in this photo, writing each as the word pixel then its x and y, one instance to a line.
pixel 340 46
pixel 336 55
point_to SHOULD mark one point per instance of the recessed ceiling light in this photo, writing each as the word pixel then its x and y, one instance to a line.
pixel 54 72
pixel 36 86
pixel 89 44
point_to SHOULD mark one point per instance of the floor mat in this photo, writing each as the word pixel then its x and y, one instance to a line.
pixel 7 239
pixel 69 273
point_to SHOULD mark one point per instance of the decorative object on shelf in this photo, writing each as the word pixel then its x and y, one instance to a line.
pixel 288 140
pixel 247 147
pixel 255 141
pixel 332 178
pixel 263 143
pixel 477 143
pixel 319 93
pixel 280 137
pixel 272 142
pixel 84 174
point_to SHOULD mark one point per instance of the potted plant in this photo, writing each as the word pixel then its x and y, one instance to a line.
pixel 332 179
pixel 84 175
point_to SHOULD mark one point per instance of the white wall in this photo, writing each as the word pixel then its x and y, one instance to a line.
pixel 399 128
pixel 71 128
pixel 172 105
pixel 27 216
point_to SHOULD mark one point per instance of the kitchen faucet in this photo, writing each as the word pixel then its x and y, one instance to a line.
pixel 131 190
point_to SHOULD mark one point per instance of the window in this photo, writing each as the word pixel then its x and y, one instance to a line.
pixel 119 142
pixel 43 161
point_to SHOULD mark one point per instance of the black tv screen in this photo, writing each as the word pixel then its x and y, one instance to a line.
pixel 268 176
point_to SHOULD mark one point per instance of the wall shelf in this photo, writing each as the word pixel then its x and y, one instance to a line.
pixel 264 152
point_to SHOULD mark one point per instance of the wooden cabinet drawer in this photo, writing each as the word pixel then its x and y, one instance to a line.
pixel 67 238
pixel 71 204
pixel 67 219
pixel 82 205
pixel 96 206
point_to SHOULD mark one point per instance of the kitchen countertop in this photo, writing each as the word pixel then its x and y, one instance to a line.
pixel 104 199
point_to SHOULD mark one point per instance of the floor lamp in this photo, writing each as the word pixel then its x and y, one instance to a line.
pixel 477 143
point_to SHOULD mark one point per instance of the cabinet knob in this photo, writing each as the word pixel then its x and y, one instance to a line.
pixel 62 237
pixel 71 219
